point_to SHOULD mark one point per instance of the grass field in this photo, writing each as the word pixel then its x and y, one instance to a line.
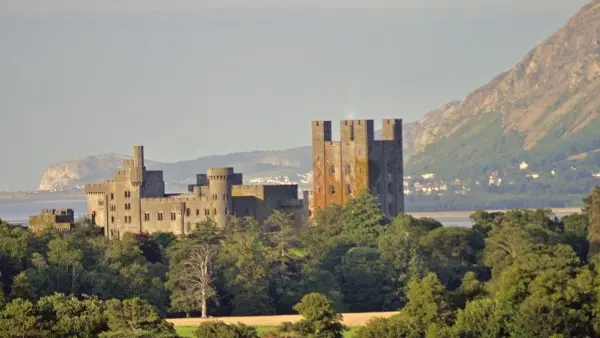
pixel 188 331
pixel 186 326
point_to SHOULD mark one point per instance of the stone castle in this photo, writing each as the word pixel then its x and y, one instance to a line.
pixel 61 219
pixel 357 163
pixel 135 200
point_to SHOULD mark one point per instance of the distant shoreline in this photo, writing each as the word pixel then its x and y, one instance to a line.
pixel 23 197
pixel 461 215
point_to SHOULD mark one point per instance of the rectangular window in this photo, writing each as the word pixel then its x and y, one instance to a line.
pixel 125 220
pixel 159 216
pixel 173 216
pixel 146 216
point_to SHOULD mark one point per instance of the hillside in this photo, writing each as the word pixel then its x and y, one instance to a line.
pixel 543 111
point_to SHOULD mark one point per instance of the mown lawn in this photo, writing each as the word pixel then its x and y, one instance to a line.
pixel 188 331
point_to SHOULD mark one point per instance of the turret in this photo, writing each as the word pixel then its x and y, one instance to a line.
pixel 138 156
pixel 219 186
pixel 137 171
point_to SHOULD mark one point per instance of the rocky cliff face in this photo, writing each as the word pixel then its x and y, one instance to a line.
pixel 558 76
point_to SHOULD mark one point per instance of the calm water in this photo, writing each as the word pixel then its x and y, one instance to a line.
pixel 19 212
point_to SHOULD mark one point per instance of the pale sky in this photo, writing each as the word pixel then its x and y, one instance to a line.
pixel 188 79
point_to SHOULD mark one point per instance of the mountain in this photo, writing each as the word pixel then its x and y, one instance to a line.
pixel 274 165
pixel 543 110
pixel 530 136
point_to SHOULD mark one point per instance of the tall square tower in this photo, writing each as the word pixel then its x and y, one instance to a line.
pixel 358 163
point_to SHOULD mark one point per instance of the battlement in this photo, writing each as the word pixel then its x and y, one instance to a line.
pixel 59 212
pixel 225 173
pixel 95 188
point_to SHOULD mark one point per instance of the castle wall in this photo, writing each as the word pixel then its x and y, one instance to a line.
pixel 135 202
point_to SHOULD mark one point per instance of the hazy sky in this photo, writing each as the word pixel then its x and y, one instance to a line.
pixel 188 79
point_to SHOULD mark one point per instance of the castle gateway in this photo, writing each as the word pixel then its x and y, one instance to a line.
pixel 357 163
pixel 135 200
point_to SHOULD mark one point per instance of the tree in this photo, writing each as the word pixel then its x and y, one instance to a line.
pixel 244 260
pixel 198 273
pixel 191 271
pixel 427 304
pixel 71 317
pixel 480 318
pixel 593 210
pixel 216 329
pixel 20 318
pixel 135 318
pixel 66 260
pixel 362 220
pixel 319 317
pixel 364 281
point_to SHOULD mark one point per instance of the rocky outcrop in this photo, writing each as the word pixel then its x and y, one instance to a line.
pixel 558 76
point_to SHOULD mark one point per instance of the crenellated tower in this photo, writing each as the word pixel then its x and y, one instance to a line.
pixel 358 163
pixel 220 182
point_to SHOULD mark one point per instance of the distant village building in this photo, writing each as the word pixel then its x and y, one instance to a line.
pixel 61 219
pixel 357 163
pixel 135 200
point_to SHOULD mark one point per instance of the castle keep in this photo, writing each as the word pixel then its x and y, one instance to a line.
pixel 357 163
pixel 135 200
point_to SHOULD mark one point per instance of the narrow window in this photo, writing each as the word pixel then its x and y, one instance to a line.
pixel 214 211
pixel 173 216
pixel 348 169
pixel 146 216
pixel 188 212
pixel 225 211
pixel 112 196
pixel 197 212
pixel 125 219
pixel 332 170
pixel 224 197
pixel 349 189
pixel 331 190
pixel 390 188
pixel 112 219
pixel 159 216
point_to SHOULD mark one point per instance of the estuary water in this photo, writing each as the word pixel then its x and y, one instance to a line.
pixel 18 212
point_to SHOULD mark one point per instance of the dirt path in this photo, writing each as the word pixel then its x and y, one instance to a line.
pixel 350 319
